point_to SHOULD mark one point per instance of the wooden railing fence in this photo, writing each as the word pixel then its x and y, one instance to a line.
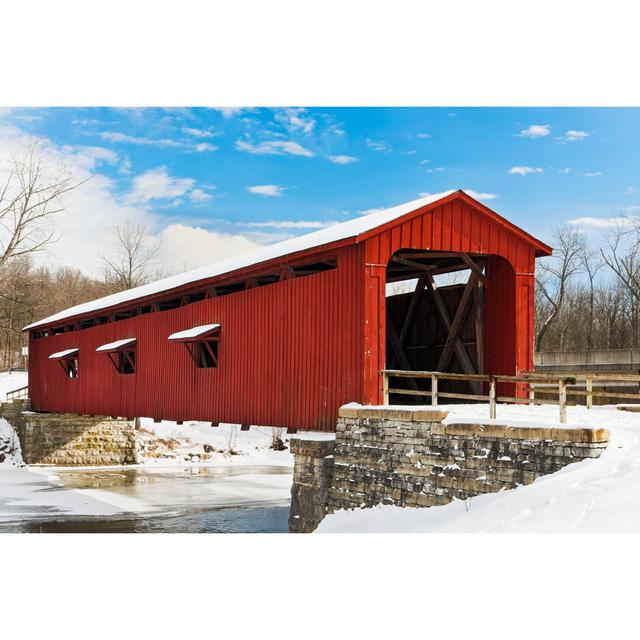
pixel 545 382
pixel 22 392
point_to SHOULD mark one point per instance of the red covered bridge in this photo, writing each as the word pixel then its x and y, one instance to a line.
pixel 285 335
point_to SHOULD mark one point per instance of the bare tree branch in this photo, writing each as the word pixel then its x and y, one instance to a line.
pixel 131 265
pixel 556 272
pixel 31 197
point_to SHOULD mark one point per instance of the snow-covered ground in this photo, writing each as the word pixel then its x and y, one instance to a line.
pixel 596 495
pixel 199 443
pixel 11 382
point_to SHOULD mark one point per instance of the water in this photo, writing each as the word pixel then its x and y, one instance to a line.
pixel 244 499
pixel 219 520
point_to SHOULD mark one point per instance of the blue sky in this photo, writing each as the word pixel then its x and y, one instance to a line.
pixel 241 177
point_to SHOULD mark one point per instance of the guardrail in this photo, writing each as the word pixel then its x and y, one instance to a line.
pixel 22 392
pixel 532 381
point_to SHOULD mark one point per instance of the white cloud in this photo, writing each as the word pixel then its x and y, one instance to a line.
pixel 266 190
pixel 436 170
pixel 536 131
pixel 205 146
pixel 90 157
pixel 198 133
pixel 228 112
pixel 125 166
pixel 92 210
pixel 423 135
pixel 478 195
pixel 367 212
pixel 274 147
pixel 287 224
pixel 186 247
pixel 630 190
pixel 200 195
pixel 523 170
pixel 157 184
pixel 295 121
pixel 342 159
pixel 572 135
pixel 112 136
pixel 593 174
pixel 425 161
pixel 377 145
pixel 601 223
pixel 565 170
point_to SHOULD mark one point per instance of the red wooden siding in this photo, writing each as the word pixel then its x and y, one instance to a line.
pixel 289 355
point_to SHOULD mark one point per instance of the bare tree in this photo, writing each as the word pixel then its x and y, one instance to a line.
pixel 131 265
pixel 591 264
pixel 622 255
pixel 31 191
pixel 555 274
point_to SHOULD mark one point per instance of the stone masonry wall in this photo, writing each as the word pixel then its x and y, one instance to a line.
pixel 410 458
pixel 65 439
pixel 312 475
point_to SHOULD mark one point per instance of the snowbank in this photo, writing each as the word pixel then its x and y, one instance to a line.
pixel 199 443
pixel 599 495
pixel 10 452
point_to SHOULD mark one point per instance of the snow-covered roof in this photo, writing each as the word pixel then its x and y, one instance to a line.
pixel 194 332
pixel 334 233
pixel 58 355
pixel 118 344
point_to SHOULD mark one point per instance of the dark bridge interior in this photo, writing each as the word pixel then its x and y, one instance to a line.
pixel 432 327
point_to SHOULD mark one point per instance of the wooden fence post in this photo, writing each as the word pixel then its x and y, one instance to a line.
pixel 532 393
pixel 434 391
pixel 562 400
pixel 589 392
pixel 385 387
pixel 492 397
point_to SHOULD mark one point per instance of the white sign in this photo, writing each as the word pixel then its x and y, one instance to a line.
pixel 25 351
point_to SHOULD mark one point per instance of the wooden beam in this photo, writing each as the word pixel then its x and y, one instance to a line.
pixel 478 308
pixel 287 272
pixel 460 351
pixel 393 276
pixel 456 325
pixel 415 298
pixel 394 340
pixel 435 255
pixel 411 263
pixel 475 268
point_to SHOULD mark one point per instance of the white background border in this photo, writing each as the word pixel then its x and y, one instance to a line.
pixel 329 53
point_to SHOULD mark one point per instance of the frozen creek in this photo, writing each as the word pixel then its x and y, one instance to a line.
pixel 162 499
